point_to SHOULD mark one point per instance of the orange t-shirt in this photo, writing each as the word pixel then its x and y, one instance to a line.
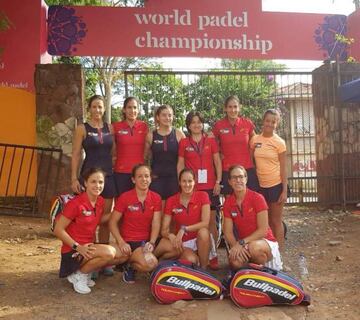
pixel 266 154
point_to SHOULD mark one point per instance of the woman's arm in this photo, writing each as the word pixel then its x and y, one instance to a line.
pixel 218 171
pixel 283 175
pixel 262 227
pixel 205 219
pixel 60 232
pixel 155 227
pixel 113 149
pixel 147 148
pixel 237 251
pixel 179 135
pixel 180 164
pixel 114 229
pixel 79 136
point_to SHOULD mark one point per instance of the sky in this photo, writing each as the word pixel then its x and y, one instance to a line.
pixel 309 6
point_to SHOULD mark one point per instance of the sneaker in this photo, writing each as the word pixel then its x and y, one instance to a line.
pixel 108 271
pixel 129 275
pixel 90 282
pixel 214 263
pixel 79 281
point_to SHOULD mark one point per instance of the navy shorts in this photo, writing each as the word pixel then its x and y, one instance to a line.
pixel 123 182
pixel 165 186
pixel 252 181
pixel 137 244
pixel 215 200
pixel 109 191
pixel 272 194
pixel 70 263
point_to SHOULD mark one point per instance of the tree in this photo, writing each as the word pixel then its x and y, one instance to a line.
pixel 252 81
pixel 159 87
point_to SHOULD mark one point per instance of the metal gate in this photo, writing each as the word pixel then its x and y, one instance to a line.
pixel 290 92
pixel 28 178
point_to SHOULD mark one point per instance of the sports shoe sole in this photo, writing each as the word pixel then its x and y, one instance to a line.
pixel 127 281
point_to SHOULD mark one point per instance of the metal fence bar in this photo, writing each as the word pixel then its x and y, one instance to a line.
pixel 17 197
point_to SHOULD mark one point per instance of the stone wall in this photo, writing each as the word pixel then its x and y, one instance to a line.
pixel 59 105
pixel 337 135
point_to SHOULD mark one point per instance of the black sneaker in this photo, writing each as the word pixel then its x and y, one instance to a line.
pixel 129 275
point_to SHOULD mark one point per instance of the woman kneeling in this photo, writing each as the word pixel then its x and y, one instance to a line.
pixel 246 227
pixel 139 214
pixel 190 211
pixel 76 227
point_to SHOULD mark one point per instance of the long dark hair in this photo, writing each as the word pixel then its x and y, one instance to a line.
pixel 126 101
pixel 190 116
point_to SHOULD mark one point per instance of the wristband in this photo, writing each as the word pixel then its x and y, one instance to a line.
pixel 217 182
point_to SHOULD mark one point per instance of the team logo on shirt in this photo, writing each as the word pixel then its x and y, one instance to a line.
pixel 258 145
pixel 177 210
pixel 224 131
pixel 123 132
pixel 234 214
pixel 189 149
pixel 158 141
pixel 93 134
pixel 133 207
pixel 86 213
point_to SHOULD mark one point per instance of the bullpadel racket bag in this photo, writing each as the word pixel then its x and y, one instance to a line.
pixel 175 280
pixel 256 286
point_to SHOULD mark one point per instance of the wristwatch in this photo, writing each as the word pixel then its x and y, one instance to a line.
pixel 242 242
pixel 75 246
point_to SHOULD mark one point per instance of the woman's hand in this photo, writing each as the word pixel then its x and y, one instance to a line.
pixel 87 250
pixel 76 186
pixel 149 247
pixel 239 252
pixel 217 189
pixel 125 248
pixel 283 197
pixel 176 241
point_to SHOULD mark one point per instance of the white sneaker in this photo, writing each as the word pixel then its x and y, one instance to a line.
pixel 90 282
pixel 80 282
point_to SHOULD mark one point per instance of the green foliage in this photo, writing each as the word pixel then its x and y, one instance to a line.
pixel 156 89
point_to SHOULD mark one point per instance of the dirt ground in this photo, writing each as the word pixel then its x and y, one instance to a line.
pixel 30 287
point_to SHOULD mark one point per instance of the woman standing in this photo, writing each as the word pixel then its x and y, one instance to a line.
pixel 269 151
pixel 95 137
pixel 76 227
pixel 190 209
pixel 233 134
pixel 130 136
pixel 200 153
pixel 246 227
pixel 162 147
pixel 139 214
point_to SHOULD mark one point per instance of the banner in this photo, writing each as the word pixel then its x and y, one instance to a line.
pixel 22 42
pixel 188 28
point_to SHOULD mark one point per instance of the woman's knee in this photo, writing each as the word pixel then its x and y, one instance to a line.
pixel 190 256
pixel 203 235
pixel 260 251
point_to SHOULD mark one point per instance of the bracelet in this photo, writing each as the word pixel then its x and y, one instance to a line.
pixel 217 182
